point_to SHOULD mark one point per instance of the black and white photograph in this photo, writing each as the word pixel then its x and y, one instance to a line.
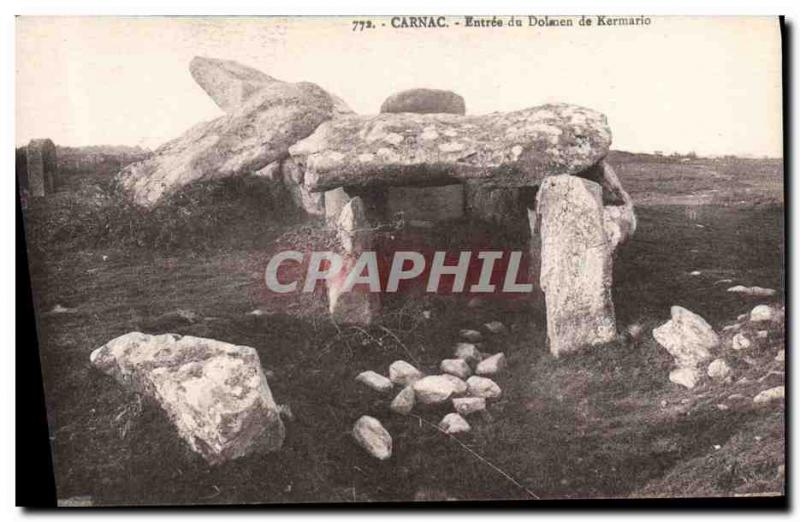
pixel 292 260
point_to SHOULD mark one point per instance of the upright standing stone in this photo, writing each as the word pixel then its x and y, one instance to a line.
pixel 293 178
pixel 576 264
pixel 42 166
pixel 335 200
pixel 357 305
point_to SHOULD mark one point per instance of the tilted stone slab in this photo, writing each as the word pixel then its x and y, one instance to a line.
pixel 215 393
pixel 504 149
pixel 249 138
pixel 227 82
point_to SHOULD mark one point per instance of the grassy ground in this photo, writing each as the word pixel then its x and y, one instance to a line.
pixel 606 423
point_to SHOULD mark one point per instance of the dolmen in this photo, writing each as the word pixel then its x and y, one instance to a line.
pixel 425 158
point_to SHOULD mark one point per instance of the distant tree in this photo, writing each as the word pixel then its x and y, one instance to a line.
pixel 691 154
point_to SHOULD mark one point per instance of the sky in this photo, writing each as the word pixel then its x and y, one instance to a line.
pixel 711 85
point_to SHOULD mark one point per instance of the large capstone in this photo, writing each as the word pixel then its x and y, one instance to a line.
pixel 215 393
pixel 576 264
pixel 425 101
pixel 512 149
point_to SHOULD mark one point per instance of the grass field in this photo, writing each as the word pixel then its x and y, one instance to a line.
pixel 606 423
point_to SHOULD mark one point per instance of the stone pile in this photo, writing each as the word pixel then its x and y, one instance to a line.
pixel 458 384
pixel 423 158
pixel 753 345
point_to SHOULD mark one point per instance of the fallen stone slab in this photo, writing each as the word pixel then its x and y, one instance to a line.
pixel 215 393
pixel 250 137
pixel 687 337
pixel 424 101
pixel 503 149
pixel 227 82
pixel 370 434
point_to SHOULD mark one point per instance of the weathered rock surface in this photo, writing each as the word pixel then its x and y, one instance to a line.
pixel 619 217
pixel 249 137
pixel 491 365
pixel 496 327
pixel 353 228
pixel 686 377
pixel 457 367
pixel 719 370
pixel 215 393
pixel 504 149
pixel 483 387
pixel 435 389
pixel 740 342
pixel 468 351
pixel 469 405
pixel 312 202
pixel 576 265
pixel 497 205
pixel 375 381
pixel 424 101
pixel 404 401
pixel 404 373
pixel 472 336
pixel 373 437
pixel 687 337
pixel 227 82
pixel 453 423
pixel 761 313
pixel 772 394
pixel 426 203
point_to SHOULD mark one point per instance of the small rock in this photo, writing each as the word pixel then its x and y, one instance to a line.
pixel 457 367
pixel 740 342
pixel 742 317
pixel 761 313
pixel 373 437
pixel 762 334
pixel 472 336
pixel 454 423
pixel 436 389
pixel 687 337
pixel 736 397
pixel 375 381
pixel 686 377
pixel 58 309
pixel 695 273
pixel 468 405
pixel 719 370
pixel 756 291
pixel 491 365
pixel 256 312
pixel 772 394
pixel 468 351
pixel 459 385
pixel 781 357
pixel 403 403
pixel 496 327
pixel 285 411
pixel 722 407
pixel 483 387
pixel 475 302
pixel 403 373
pixel 426 314
pixel 730 328
pixel 634 331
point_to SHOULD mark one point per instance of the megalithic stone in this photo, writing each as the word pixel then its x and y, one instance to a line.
pixel 228 83
pixel 41 165
pixel 576 264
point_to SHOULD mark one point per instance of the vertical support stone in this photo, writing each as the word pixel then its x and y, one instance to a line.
pixel 358 305
pixel 294 179
pixel 335 200
pixel 576 267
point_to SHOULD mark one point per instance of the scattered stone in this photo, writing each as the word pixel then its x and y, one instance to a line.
pixel 472 336
pixel 772 394
pixel 781 357
pixel 740 342
pixel 635 331
pixel 736 397
pixel 426 314
pixel 375 381
pixel 723 407
pixel 403 373
pixel 719 370
pixel 742 317
pixel 459 385
pixel 469 405
pixel 403 403
pixel 454 423
pixel 756 291
pixel 576 264
pixel 491 365
pixel 286 412
pixel 687 337
pixel 731 328
pixel 58 309
pixel 435 389
pixel 507 149
pixel 468 351
pixel 695 273
pixel 82 501
pixel 686 377
pixel 215 393
pixel 457 367
pixel 475 302
pixel 483 387
pixel 424 101
pixel 496 327
pixel 373 437
pixel 761 313
pixel 762 334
